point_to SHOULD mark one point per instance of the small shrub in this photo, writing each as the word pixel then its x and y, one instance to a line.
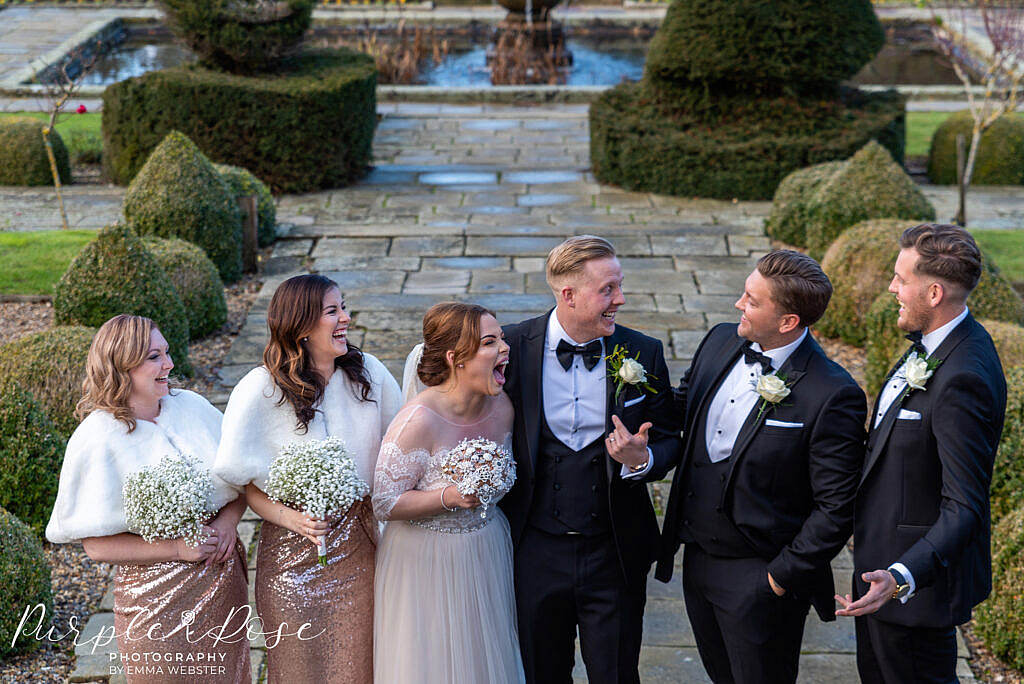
pixel 195 279
pixel 178 193
pixel 1000 157
pixel 31 453
pixel 242 183
pixel 788 222
pixel 1007 492
pixel 860 265
pixel 116 274
pixel 51 365
pixel 871 185
pixel 1000 619
pixel 23 158
pixel 25 577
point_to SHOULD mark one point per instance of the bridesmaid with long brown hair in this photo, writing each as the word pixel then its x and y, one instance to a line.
pixel 168 596
pixel 313 384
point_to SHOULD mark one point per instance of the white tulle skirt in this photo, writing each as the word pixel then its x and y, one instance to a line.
pixel 444 606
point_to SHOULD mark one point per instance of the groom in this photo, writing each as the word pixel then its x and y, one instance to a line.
pixel 585 443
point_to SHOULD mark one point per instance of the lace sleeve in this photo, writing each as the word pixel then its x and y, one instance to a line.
pixel 400 464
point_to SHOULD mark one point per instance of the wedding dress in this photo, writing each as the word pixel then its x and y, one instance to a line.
pixel 444 607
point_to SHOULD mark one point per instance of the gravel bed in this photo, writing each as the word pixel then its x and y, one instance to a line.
pixel 20 319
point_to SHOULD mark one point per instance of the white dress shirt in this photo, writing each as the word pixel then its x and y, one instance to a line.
pixel 575 400
pixel 736 398
pixel 893 389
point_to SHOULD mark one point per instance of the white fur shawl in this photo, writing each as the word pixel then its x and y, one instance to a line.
pixel 101 454
pixel 256 427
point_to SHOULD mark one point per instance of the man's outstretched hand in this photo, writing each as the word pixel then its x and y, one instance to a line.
pixel 628 449
pixel 883 584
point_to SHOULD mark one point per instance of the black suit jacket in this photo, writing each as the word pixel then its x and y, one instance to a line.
pixel 634 526
pixel 923 498
pixel 790 490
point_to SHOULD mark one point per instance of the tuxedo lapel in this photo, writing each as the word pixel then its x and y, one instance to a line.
pixel 531 377
pixel 609 395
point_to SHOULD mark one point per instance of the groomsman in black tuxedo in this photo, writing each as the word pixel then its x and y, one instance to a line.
pixel 583 526
pixel 921 537
pixel 763 499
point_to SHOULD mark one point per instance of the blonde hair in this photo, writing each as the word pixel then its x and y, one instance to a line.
pixel 569 258
pixel 120 346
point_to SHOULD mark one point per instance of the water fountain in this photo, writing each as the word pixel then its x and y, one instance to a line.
pixel 528 45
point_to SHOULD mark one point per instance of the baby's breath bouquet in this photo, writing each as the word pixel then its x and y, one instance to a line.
pixel 482 468
pixel 317 478
pixel 169 500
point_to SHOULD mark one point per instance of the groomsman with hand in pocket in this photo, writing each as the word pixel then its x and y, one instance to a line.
pixel 921 538
pixel 764 496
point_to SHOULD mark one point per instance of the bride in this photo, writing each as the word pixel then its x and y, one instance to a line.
pixel 444 602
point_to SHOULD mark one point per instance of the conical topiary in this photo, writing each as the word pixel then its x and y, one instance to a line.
pixel 116 274
pixel 178 193
pixel 871 185
pixel 242 183
pixel 195 278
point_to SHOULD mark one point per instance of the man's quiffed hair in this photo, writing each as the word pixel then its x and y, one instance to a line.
pixel 798 284
pixel 946 252
pixel 568 258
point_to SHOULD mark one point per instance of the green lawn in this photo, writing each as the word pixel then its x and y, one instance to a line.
pixel 1007 250
pixel 81 133
pixel 920 128
pixel 32 263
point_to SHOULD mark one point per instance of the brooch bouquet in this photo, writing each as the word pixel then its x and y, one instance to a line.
pixel 482 468
pixel 627 371
pixel 170 499
pixel 318 478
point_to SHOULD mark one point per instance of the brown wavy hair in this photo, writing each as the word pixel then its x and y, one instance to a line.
pixel 294 312
pixel 449 326
pixel 119 347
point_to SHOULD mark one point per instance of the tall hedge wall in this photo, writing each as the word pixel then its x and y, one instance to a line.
pixel 308 126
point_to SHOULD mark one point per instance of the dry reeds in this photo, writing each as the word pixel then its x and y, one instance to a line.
pixel 400 57
pixel 518 59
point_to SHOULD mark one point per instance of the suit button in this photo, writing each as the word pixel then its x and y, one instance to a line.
pixel 722 476
pixel 558 459
pixel 594 460
pixel 689 494
pixel 593 515
pixel 718 509
pixel 686 522
pixel 593 488
pixel 557 513
pixel 557 486
pixel 714 539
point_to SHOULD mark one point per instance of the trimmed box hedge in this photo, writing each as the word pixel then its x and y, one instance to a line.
pixel 1007 491
pixel 308 126
pixel 1000 159
pixel 195 279
pixel 640 144
pixel 1000 619
pixel 243 184
pixel 25 578
pixel 23 158
pixel 788 220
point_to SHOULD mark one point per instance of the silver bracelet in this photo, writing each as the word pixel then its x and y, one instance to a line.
pixel 450 510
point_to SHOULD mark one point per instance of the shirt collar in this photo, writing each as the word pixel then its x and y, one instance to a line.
pixel 932 340
pixel 556 332
pixel 779 355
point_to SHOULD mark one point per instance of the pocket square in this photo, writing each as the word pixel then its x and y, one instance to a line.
pixel 632 402
pixel 908 415
pixel 782 423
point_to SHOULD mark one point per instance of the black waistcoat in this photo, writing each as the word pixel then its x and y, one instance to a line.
pixel 571 491
pixel 704 520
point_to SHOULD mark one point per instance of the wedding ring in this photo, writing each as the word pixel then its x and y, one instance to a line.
pixel 612 438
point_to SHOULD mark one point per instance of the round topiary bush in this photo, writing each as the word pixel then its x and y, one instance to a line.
pixel 1000 619
pixel 242 183
pixel 23 158
pixel 787 222
pixel 993 299
pixel 195 279
pixel 308 126
pixel 1007 491
pixel 178 193
pixel 116 274
pixel 50 364
pixel 871 185
pixel 31 453
pixel 25 577
pixel 242 36
pixel 860 265
pixel 1000 158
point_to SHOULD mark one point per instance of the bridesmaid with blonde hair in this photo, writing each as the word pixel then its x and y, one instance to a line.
pixel 313 384
pixel 167 593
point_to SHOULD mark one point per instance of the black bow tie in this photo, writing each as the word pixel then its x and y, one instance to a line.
pixel 916 343
pixel 591 353
pixel 751 357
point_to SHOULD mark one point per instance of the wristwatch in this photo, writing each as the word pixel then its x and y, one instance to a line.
pixel 902 586
pixel 638 468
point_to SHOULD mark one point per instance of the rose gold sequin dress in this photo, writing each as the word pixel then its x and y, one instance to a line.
pixel 336 601
pixel 188 607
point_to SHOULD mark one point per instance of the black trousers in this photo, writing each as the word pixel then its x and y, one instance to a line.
pixel 569 581
pixel 895 654
pixel 744 632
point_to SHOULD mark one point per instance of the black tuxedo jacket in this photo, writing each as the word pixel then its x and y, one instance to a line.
pixel 634 526
pixel 923 498
pixel 790 490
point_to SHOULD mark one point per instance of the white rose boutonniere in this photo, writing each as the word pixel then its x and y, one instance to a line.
pixel 627 371
pixel 772 389
pixel 917 370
